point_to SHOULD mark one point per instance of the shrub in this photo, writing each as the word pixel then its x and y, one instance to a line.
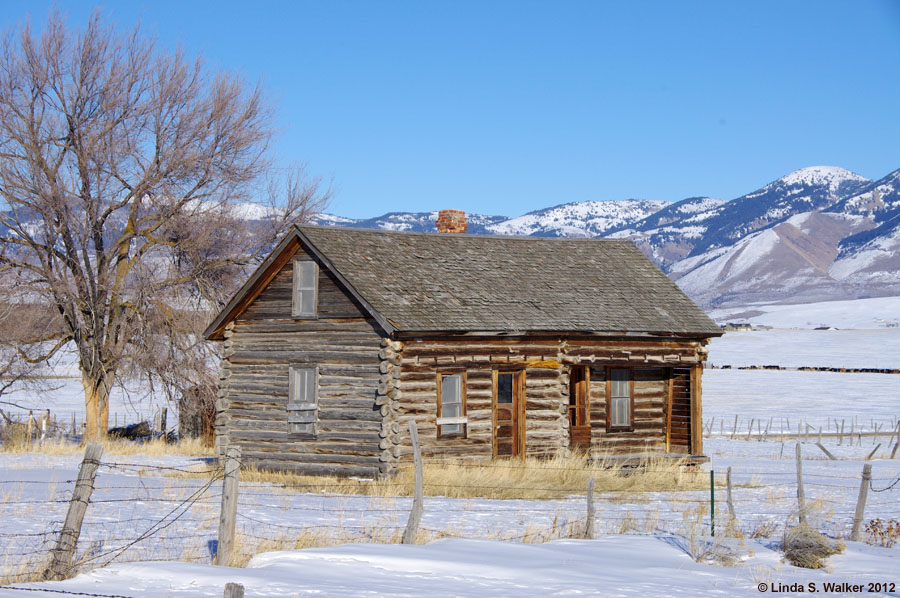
pixel 882 533
pixel 807 548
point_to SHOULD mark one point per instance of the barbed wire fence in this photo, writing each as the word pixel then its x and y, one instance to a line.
pixel 143 512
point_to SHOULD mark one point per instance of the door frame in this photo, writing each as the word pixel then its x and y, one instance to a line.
pixel 518 411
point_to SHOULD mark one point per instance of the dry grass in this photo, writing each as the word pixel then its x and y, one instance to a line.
pixel 14 443
pixel 529 479
pixel 805 547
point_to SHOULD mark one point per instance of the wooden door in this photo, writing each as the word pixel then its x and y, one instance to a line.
pixel 509 414
pixel 678 425
pixel 579 409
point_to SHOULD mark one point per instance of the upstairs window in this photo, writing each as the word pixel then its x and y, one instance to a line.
pixel 303 400
pixel 306 289
pixel 451 407
pixel 619 399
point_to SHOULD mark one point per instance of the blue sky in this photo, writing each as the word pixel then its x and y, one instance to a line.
pixel 507 107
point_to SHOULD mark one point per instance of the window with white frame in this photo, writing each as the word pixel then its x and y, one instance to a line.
pixel 303 400
pixel 620 399
pixel 451 405
pixel 306 289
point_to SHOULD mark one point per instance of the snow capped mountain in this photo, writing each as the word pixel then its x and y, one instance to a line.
pixel 788 262
pixel 669 234
pixel 800 191
pixel 872 257
pixel 579 219
pixel 407 221
pixel 832 177
pixel 818 233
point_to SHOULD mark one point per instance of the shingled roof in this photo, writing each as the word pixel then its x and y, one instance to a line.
pixel 419 282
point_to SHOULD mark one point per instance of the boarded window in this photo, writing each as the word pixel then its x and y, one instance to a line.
pixel 306 287
pixel 303 402
pixel 451 417
pixel 620 398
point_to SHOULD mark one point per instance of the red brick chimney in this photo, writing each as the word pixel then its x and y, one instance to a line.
pixel 452 221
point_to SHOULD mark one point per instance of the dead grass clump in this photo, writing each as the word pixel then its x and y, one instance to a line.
pixel 528 479
pixel 764 529
pixel 805 547
pixel 12 437
pixel 192 447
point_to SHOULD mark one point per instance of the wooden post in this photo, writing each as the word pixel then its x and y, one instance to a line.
pixel 28 430
pixel 162 423
pixel 712 503
pixel 750 429
pixel 589 522
pixel 45 421
pixel 728 497
pixel 73 423
pixel 670 394
pixel 861 501
pixel 734 429
pixel 228 512
pixel 801 495
pixel 415 515
pixel 825 450
pixel 61 555
pixel 874 450
pixel 696 411
pixel 841 433
pixel 234 590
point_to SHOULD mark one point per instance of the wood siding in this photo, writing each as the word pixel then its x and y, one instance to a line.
pixel 261 346
pixel 547 365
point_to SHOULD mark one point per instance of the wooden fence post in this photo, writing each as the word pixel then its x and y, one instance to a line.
pixel 801 495
pixel 415 515
pixel 28 430
pixel 728 497
pixel 162 423
pixel 61 555
pixel 897 443
pixel 45 422
pixel 826 451
pixel 228 512
pixel 589 522
pixel 861 501
pixel 234 590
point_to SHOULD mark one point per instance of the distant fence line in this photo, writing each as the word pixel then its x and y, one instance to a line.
pixel 781 429
pixel 805 368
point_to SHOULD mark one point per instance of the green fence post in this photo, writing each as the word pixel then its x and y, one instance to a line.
pixel 712 503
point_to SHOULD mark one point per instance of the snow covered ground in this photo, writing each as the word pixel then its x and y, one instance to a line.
pixel 644 542
pixel 880 312
pixel 625 566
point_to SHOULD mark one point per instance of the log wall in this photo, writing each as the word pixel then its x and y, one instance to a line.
pixel 547 365
pixel 264 342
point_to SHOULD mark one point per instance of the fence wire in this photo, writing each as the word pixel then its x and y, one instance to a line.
pixel 172 512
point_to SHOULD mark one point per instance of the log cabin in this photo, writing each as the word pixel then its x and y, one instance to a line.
pixel 499 347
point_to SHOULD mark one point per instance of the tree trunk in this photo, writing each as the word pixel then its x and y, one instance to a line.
pixel 96 407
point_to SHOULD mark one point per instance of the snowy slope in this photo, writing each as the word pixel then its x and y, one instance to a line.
pixel 803 190
pixel 789 261
pixel 579 219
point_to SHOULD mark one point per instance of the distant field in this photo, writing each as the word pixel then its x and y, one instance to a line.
pixel 872 348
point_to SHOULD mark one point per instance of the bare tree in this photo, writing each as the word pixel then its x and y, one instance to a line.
pixel 20 323
pixel 126 170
